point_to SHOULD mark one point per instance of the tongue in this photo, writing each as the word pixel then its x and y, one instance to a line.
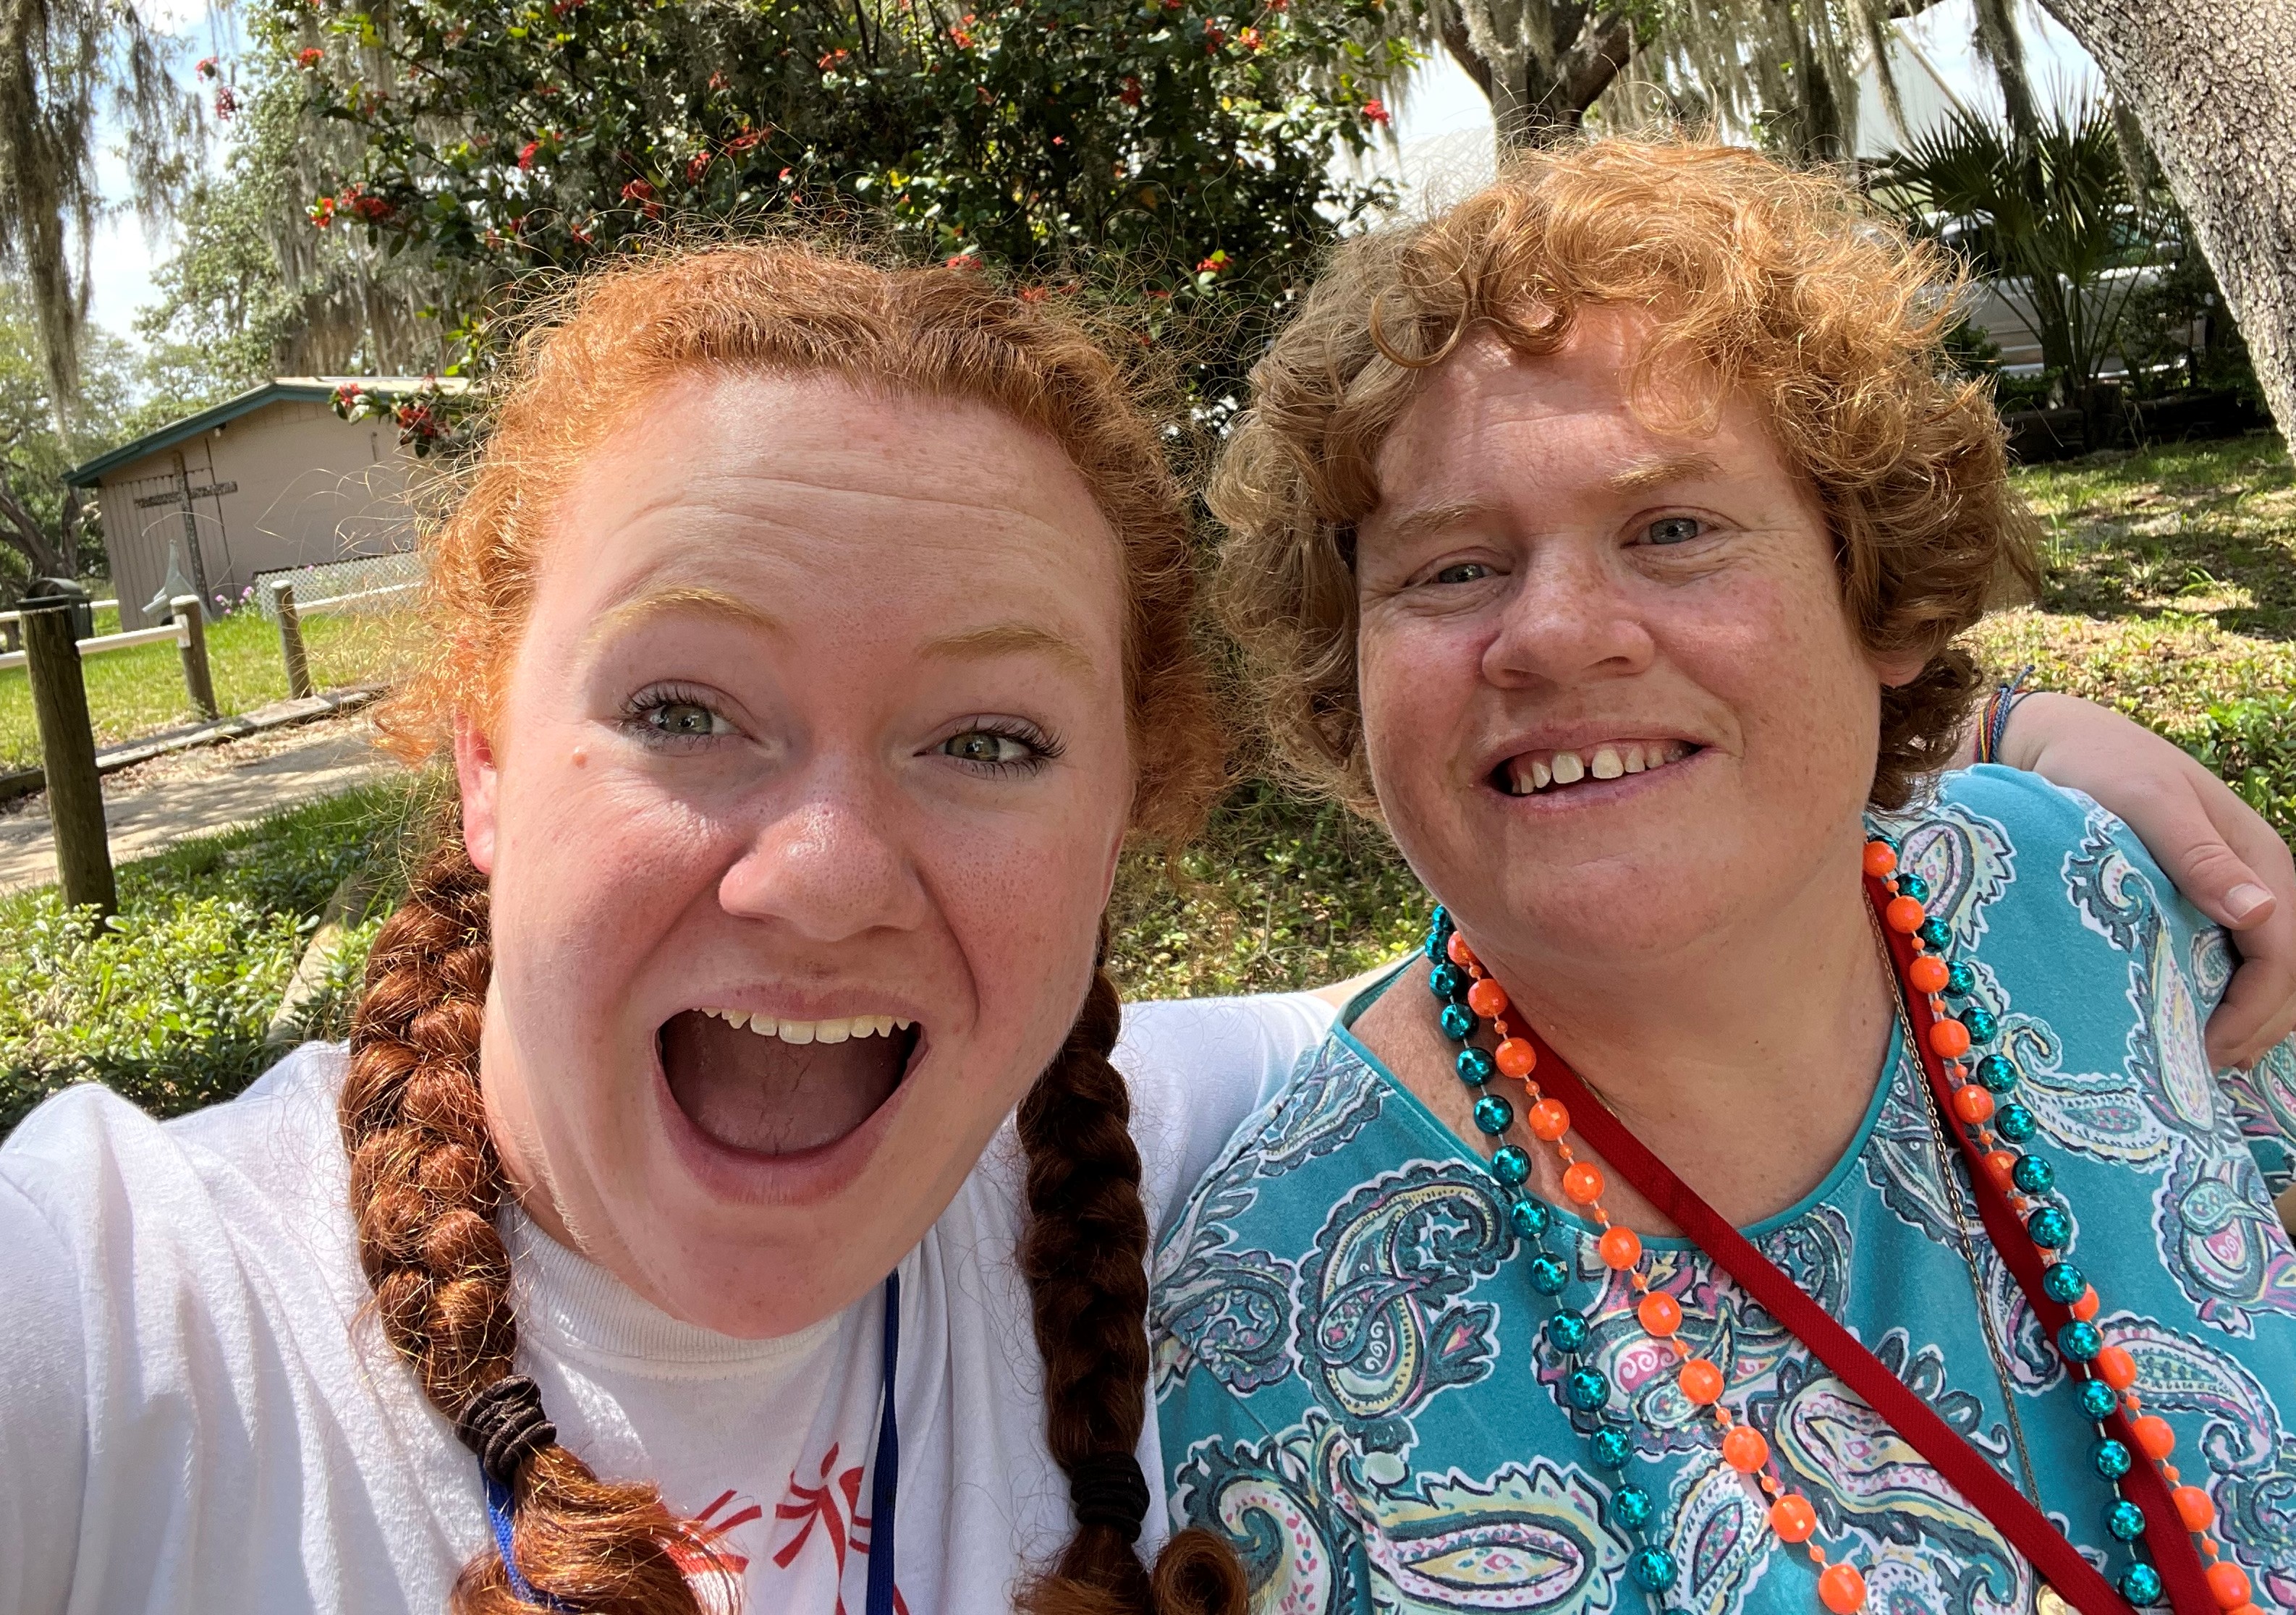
pixel 770 1097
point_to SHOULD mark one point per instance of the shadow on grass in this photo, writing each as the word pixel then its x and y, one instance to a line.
pixel 2204 530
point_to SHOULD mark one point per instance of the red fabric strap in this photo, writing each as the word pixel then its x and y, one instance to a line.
pixel 1967 1470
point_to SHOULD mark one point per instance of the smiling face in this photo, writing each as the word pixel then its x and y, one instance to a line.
pixel 799 813
pixel 1610 696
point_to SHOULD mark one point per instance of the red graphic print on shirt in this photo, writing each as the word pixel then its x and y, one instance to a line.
pixel 835 1508
pixel 712 1530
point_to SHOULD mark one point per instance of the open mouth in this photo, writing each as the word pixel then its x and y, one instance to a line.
pixel 1544 773
pixel 779 1088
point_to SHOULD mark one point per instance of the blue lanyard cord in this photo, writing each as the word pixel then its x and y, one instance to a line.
pixel 498 1515
pixel 885 1473
pixel 885 1482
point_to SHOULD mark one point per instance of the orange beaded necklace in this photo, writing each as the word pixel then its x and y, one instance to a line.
pixel 2031 1230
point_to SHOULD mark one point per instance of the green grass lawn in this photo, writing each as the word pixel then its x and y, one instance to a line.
pixel 2171 594
pixel 2171 581
pixel 133 692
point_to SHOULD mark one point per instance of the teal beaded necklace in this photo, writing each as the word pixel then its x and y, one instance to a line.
pixel 1983 1105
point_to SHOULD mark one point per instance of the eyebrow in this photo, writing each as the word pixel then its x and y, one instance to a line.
pixel 1431 518
pixel 1011 639
pixel 680 598
pixel 1657 472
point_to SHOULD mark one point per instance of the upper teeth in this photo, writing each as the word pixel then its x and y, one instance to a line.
pixel 1607 761
pixel 813 1032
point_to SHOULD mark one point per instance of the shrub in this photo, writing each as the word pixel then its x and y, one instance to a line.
pixel 2251 745
pixel 167 1008
pixel 169 1004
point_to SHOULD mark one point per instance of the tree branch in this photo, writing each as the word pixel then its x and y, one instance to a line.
pixel 1454 30
pixel 21 533
pixel 1599 55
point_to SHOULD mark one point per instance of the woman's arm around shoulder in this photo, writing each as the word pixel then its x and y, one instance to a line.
pixel 2224 857
pixel 1201 1068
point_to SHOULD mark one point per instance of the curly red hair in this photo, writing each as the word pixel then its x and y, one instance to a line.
pixel 1776 285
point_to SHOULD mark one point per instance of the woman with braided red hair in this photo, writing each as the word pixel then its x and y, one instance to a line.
pixel 806 646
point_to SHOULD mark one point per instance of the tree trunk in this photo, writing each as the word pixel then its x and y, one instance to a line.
pixel 1538 102
pixel 2211 82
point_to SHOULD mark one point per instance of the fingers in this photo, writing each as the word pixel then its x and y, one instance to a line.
pixel 2260 1007
pixel 2194 846
pixel 2258 1011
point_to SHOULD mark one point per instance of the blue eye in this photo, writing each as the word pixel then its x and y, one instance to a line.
pixel 1465 571
pixel 1022 748
pixel 684 718
pixel 674 716
pixel 1673 529
pixel 984 746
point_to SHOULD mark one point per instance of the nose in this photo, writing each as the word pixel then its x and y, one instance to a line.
pixel 829 864
pixel 1572 618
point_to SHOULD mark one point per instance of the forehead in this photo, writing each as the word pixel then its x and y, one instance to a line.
pixel 1492 417
pixel 803 493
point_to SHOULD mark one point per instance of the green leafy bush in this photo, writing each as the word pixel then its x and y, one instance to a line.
pixel 169 1004
pixel 2251 745
pixel 167 1008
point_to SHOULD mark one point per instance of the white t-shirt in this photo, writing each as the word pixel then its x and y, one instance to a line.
pixel 198 1412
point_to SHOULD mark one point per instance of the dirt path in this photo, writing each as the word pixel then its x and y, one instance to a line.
pixel 189 793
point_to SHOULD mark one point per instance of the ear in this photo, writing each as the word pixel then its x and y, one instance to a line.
pixel 1899 668
pixel 479 781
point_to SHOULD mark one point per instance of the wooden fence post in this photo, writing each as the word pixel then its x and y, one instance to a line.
pixel 193 626
pixel 67 748
pixel 291 640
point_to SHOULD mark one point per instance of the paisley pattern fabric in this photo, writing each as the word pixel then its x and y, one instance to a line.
pixel 1356 1390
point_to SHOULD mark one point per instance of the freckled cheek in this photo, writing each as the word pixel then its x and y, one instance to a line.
pixel 599 875
pixel 1024 913
pixel 1411 672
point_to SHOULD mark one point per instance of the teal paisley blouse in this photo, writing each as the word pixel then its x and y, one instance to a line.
pixel 1354 1386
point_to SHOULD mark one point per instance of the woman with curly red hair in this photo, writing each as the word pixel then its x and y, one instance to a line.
pixel 1786 1183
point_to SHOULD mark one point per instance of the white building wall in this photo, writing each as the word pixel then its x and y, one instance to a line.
pixel 310 488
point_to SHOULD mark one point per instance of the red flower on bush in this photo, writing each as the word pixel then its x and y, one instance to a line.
pixel 696 165
pixel 743 142
pixel 226 103
pixel 323 211
pixel 355 200
pixel 718 80
pixel 1218 263
pixel 961 260
pixel 1375 112
pixel 207 68
pixel 1131 93
pixel 1213 38
pixel 834 60
pixel 640 192
pixel 527 152
pixel 962 32
pixel 310 56
pixel 1249 39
